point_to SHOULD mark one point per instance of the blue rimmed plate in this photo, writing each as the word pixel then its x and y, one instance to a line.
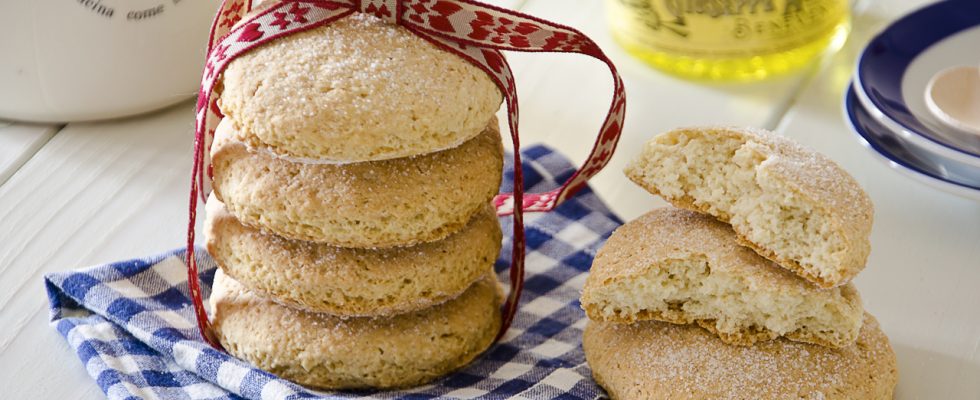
pixel 895 67
pixel 910 161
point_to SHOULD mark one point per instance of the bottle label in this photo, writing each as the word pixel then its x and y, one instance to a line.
pixel 724 28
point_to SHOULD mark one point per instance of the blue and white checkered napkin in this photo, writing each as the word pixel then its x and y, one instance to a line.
pixel 132 323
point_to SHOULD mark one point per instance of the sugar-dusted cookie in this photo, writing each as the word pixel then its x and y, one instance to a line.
pixel 386 203
pixel 682 267
pixel 656 360
pixel 792 205
pixel 358 89
pixel 351 281
pixel 328 352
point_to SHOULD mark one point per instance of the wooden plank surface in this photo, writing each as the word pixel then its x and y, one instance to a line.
pixel 18 142
pixel 94 193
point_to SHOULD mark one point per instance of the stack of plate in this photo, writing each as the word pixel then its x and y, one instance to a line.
pixel 886 103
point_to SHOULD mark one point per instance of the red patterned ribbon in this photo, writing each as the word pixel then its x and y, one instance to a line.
pixel 474 31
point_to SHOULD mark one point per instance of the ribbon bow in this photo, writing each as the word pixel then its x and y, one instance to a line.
pixel 474 31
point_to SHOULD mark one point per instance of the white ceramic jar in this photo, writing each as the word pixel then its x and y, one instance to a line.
pixel 77 60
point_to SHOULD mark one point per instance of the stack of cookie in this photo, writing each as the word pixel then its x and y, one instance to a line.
pixel 761 264
pixel 351 215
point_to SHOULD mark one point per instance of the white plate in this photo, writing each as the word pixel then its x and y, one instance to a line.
pixel 893 152
pixel 897 64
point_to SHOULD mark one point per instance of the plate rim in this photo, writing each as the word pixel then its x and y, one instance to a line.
pixel 870 103
pixel 911 135
pixel 896 163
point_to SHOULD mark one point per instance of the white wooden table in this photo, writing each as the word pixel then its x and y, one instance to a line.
pixel 83 194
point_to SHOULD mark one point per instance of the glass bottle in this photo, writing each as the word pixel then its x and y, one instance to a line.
pixel 736 40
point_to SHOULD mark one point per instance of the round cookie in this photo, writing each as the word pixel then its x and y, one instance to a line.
pixel 358 89
pixel 349 281
pixel 657 360
pixel 396 202
pixel 321 351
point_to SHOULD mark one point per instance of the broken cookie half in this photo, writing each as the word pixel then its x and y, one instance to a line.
pixel 790 204
pixel 682 267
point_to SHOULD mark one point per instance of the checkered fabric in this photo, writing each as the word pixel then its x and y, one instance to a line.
pixel 132 323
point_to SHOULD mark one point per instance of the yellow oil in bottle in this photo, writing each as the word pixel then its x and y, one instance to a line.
pixel 728 40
